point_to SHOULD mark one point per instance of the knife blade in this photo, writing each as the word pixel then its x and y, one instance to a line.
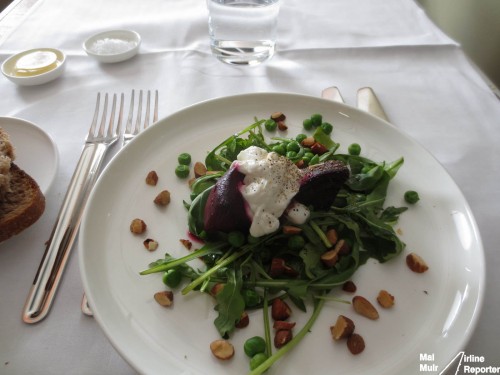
pixel 368 101
pixel 332 93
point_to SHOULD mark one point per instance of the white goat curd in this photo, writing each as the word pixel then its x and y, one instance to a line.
pixel 270 183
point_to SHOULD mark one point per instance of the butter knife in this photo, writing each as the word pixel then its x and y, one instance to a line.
pixel 368 101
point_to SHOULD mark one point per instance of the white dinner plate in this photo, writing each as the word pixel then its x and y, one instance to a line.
pixel 434 314
pixel 36 153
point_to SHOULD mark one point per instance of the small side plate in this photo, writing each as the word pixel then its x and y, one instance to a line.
pixel 35 150
pixel 113 46
pixel 41 72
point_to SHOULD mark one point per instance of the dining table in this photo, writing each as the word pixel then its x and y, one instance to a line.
pixel 429 88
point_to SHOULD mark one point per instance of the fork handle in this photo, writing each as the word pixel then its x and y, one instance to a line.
pixel 60 243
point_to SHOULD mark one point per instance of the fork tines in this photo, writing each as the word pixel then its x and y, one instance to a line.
pixel 132 129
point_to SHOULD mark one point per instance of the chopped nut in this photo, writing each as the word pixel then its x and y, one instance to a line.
pixel 342 247
pixel 278 116
pixel 329 258
pixel 364 307
pixel 301 164
pixel 385 299
pixel 165 298
pixel 282 125
pixel 199 169
pixel 277 267
pixel 355 343
pixel 308 141
pixel 222 349
pixel 280 310
pixel 244 320
pixel 282 325
pixel 150 244
pixel 290 229
pixel 152 178
pixel 344 327
pixel 332 236
pixel 349 287
pixel 216 289
pixel 187 244
pixel 416 263
pixel 137 226
pixel 318 149
pixel 163 198
pixel 282 337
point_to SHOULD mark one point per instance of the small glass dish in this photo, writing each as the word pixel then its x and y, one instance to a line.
pixel 113 46
pixel 35 66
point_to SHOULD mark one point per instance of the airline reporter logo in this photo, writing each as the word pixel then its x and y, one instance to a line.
pixel 461 364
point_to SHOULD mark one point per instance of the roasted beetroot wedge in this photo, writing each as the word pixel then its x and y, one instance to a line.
pixel 321 183
pixel 225 208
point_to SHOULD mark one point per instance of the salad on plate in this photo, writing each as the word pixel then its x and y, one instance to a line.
pixel 283 223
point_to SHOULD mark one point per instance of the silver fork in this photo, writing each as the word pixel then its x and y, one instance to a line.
pixel 131 130
pixel 60 243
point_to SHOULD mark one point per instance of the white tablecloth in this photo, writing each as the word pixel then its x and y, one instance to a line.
pixel 427 86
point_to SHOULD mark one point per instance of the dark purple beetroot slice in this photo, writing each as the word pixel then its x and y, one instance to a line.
pixel 225 208
pixel 321 183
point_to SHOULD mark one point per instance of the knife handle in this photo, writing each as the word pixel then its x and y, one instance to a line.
pixel 58 248
pixel 368 101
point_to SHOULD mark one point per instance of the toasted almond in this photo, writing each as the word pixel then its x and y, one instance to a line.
pixel 222 349
pixel 152 178
pixel 355 343
pixel 164 298
pixel 138 226
pixel 290 229
pixel 308 141
pixel 282 337
pixel 332 235
pixel 416 263
pixel 199 169
pixel 344 327
pixel 349 287
pixel 244 320
pixel 329 258
pixel 186 243
pixel 280 310
pixel 163 198
pixel 385 299
pixel 364 307
pixel 150 244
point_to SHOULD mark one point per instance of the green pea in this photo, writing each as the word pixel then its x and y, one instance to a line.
pixel 236 238
pixel 316 120
pixel 296 242
pixel 251 297
pixel 354 149
pixel 172 278
pixel 257 360
pixel 182 171
pixel 279 149
pixel 184 158
pixel 307 124
pixel 293 146
pixel 326 127
pixel 314 160
pixel 254 345
pixel 411 197
pixel 291 154
pixel 309 155
pixel 300 137
pixel 270 125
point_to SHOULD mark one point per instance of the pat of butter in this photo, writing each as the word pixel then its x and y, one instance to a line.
pixel 35 63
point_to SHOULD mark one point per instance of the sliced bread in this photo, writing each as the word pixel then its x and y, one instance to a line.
pixel 22 205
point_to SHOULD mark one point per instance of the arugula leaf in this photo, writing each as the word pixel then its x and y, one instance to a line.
pixel 230 304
